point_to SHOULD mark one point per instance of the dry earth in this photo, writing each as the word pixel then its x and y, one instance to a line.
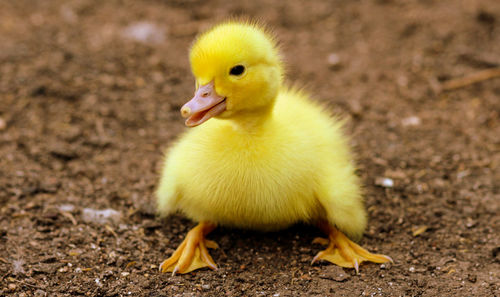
pixel 86 110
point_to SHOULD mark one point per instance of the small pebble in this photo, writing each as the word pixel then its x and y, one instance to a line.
pixel 67 207
pixel 104 216
pixel 472 278
pixel 412 269
pixel 333 59
pixel 3 124
pixel 144 32
pixel 206 287
pixel 355 107
pixel 12 287
pixel 63 269
pixel 411 121
pixel 470 223
pixel 416 231
pixel 384 182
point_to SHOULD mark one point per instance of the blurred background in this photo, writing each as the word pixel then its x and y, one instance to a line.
pixel 90 93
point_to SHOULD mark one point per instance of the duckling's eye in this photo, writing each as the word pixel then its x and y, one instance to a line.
pixel 237 70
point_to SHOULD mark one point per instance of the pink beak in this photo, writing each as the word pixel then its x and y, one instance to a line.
pixel 205 104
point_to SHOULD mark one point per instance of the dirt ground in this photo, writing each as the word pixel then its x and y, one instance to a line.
pixel 88 105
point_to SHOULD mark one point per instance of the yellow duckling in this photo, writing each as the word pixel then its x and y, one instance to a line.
pixel 266 157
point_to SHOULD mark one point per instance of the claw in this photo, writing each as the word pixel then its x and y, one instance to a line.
pixel 175 270
pixel 315 258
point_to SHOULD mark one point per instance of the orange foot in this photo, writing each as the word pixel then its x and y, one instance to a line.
pixel 343 252
pixel 192 254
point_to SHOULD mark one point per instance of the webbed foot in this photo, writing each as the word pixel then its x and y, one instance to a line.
pixel 344 252
pixel 192 254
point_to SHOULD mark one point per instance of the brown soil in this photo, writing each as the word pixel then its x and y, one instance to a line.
pixel 86 112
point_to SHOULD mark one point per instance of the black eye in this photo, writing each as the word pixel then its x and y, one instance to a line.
pixel 237 70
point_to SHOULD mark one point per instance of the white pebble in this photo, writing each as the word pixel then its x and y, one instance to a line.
pixel 104 216
pixel 384 182
pixel 144 32
pixel 412 269
pixel 388 183
pixel 411 121
pixel 67 207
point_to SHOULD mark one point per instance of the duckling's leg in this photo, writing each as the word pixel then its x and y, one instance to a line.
pixel 344 252
pixel 192 254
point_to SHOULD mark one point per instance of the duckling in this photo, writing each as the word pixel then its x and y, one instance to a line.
pixel 258 155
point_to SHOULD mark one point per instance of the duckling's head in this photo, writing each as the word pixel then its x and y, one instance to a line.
pixel 238 72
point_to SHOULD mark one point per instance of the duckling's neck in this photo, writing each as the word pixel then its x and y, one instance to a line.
pixel 252 122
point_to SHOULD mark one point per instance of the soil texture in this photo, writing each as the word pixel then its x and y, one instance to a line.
pixel 90 93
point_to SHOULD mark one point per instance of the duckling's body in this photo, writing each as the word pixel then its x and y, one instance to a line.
pixel 277 171
pixel 260 156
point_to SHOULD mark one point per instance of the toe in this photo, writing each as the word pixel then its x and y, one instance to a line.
pixel 321 240
pixel 211 244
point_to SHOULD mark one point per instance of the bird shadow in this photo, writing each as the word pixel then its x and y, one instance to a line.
pixel 252 248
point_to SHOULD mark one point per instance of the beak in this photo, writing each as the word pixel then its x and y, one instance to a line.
pixel 205 104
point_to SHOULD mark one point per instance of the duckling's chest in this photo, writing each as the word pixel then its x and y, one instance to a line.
pixel 259 183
